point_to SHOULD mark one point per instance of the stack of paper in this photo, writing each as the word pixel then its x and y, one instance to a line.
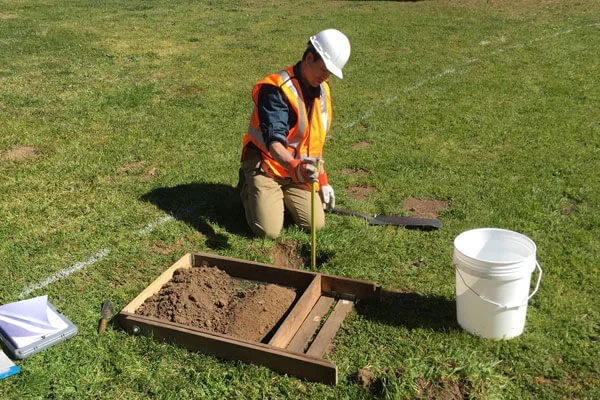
pixel 7 367
pixel 32 325
pixel 28 321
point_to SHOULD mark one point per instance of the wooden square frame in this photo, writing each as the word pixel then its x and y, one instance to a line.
pixel 296 348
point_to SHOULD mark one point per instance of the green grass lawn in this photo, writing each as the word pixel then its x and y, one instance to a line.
pixel 116 114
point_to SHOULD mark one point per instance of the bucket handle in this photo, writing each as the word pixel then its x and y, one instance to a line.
pixel 506 306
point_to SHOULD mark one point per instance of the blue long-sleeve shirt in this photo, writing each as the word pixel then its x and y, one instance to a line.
pixel 276 114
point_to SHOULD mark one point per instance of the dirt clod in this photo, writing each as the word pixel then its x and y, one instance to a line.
pixel 365 377
pixel 208 298
pixel 152 172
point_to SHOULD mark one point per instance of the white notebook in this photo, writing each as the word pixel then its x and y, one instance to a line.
pixel 28 321
pixel 31 325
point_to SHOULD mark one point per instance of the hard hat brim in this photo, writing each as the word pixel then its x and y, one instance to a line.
pixel 333 69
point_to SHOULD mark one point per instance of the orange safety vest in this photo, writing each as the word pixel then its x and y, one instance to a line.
pixel 306 137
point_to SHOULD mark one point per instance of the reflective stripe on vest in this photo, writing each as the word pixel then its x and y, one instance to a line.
pixel 324 115
pixel 256 133
pixel 301 131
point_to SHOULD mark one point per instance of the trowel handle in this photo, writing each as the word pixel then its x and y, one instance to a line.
pixel 102 326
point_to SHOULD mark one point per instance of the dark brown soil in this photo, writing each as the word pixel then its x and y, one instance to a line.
pixel 286 254
pixel 208 298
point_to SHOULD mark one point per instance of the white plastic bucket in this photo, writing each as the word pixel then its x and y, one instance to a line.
pixel 493 276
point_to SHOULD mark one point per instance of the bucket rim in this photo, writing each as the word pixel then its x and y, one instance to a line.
pixel 498 266
pixel 501 230
pixel 494 274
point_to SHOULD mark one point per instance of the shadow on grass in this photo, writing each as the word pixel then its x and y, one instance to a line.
pixel 411 310
pixel 199 205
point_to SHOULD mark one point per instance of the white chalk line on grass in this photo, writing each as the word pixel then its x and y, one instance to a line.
pixel 63 273
pixel 165 219
pixel 451 70
pixel 153 225
pixel 532 41
pixel 420 83
pixel 99 256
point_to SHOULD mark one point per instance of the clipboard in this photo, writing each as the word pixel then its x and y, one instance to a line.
pixel 45 342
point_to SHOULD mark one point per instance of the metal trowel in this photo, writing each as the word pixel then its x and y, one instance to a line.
pixel 107 312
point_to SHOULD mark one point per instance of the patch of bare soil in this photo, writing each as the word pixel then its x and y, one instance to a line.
pixel 362 145
pixel 21 153
pixel 424 208
pixel 361 192
pixel 286 254
pixel 209 298
pixel 8 16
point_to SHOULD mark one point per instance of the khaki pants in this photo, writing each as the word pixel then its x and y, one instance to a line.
pixel 265 199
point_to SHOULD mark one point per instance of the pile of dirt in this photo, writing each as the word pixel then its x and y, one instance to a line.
pixel 208 298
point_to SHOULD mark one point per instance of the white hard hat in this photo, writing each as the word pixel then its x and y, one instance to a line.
pixel 334 48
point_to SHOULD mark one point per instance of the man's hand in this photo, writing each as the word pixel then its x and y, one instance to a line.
pixel 328 197
pixel 305 169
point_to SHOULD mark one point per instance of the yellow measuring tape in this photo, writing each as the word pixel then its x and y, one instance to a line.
pixel 313 230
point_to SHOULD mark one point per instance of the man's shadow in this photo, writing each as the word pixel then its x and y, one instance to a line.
pixel 201 204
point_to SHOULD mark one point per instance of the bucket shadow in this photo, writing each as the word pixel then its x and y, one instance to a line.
pixel 199 205
pixel 411 310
